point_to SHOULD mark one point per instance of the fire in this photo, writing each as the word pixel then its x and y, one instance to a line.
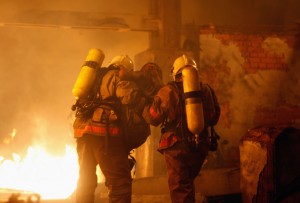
pixel 52 177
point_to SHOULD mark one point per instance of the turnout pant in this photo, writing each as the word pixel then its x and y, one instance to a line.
pixel 114 164
pixel 183 166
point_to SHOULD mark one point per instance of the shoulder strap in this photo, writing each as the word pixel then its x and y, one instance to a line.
pixel 94 99
pixel 214 136
pixel 217 110
pixel 100 74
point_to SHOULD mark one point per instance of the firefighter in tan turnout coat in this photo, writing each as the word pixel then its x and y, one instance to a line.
pixel 98 129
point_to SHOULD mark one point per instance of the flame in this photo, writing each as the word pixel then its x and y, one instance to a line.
pixel 52 177
pixel 10 137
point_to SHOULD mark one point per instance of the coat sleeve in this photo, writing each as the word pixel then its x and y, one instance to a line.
pixel 164 106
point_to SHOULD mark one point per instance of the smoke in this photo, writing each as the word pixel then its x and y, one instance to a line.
pixel 38 68
pixel 246 92
pixel 214 53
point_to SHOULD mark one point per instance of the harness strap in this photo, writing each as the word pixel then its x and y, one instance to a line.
pixel 92 64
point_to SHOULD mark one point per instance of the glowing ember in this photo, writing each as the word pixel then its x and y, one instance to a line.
pixel 53 177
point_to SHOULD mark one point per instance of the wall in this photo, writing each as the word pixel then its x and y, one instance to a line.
pixel 256 77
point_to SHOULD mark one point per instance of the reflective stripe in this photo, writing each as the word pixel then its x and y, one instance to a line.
pixel 97 130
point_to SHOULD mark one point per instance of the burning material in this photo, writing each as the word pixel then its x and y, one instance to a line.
pixel 52 177
pixel 14 196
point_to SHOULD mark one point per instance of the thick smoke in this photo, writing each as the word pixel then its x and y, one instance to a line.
pixel 38 68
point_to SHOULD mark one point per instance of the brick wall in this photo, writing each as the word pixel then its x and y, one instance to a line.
pixel 256 74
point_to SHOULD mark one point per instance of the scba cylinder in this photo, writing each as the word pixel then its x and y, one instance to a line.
pixel 88 74
pixel 193 101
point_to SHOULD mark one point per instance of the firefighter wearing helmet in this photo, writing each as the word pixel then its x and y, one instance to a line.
pixel 98 131
pixel 178 108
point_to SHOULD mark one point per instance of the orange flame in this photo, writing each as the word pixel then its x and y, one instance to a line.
pixel 53 177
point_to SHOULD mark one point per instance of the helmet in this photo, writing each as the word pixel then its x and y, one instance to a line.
pixel 182 62
pixel 122 60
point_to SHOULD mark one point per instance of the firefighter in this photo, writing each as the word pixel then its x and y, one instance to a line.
pixel 98 131
pixel 184 136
